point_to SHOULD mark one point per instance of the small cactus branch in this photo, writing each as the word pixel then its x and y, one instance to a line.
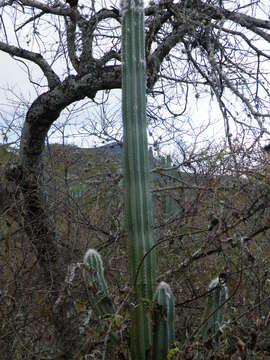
pixel 215 309
pixel 163 339
pixel 98 294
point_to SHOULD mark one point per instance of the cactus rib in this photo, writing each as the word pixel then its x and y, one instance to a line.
pixel 138 211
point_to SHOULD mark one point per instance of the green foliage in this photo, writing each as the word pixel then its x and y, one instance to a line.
pixel 172 353
pixel 163 336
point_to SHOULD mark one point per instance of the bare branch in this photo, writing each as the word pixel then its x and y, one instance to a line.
pixel 33 18
pixel 47 107
pixel 52 78
pixel 55 10
pixel 71 37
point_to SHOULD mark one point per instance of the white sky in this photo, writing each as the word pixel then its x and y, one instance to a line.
pixel 15 78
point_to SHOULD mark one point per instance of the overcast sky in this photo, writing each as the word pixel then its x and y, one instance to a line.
pixel 14 77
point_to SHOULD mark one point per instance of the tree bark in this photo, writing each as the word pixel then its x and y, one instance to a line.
pixel 27 173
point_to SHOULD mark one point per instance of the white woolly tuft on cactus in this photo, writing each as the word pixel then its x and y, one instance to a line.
pixel 216 282
pixel 91 252
pixel 93 260
pixel 163 285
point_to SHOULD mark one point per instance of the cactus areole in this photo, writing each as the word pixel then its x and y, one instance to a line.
pixel 138 210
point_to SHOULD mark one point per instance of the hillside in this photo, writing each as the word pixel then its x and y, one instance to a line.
pixel 205 225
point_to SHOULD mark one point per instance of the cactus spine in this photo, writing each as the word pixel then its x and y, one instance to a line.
pixel 138 211
pixel 93 273
pixel 215 309
pixel 163 322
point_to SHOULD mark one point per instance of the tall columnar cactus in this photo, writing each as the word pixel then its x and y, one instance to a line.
pixel 215 309
pixel 136 174
pixel 163 339
pixel 168 199
pixel 97 289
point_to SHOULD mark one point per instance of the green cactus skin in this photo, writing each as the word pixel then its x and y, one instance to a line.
pixel 163 322
pixel 98 294
pixel 215 309
pixel 138 207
